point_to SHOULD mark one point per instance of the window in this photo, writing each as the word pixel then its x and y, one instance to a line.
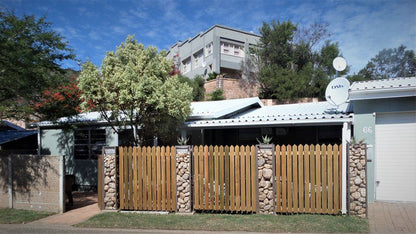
pixel 88 143
pixel 198 59
pixel 232 49
pixel 186 65
pixel 208 49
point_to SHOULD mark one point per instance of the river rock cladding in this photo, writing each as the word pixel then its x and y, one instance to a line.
pixel 183 181
pixel 357 180
pixel 110 187
pixel 265 177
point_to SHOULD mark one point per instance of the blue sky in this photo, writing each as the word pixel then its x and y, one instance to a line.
pixel 93 27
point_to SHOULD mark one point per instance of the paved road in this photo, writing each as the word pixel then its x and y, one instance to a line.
pixel 64 229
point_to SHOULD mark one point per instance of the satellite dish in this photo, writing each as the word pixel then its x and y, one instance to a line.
pixel 339 64
pixel 337 91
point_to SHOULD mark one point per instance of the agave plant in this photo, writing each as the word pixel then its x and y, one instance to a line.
pixel 183 140
pixel 265 140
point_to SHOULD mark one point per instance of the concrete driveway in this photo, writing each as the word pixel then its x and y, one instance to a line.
pixel 392 217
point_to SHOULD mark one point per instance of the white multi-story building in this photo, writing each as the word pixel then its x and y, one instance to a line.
pixel 220 49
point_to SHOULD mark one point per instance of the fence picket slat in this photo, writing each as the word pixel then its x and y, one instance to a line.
pixel 324 180
pixel 227 177
pixel 221 181
pixel 237 179
pixel 301 179
pixel 242 178
pixel 216 177
pixel 121 171
pixel 201 177
pixel 337 206
pixel 284 179
pixel 295 180
pixel 135 172
pixel 158 181
pixel 330 182
pixel 307 178
pixel 253 179
pixel 196 177
pixel 163 176
pixel 318 179
pixel 232 178
pixel 129 179
pixel 278 183
pixel 206 170
pixel 248 178
pixel 289 179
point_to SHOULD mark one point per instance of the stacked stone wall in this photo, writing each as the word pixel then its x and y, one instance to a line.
pixel 266 179
pixel 183 179
pixel 110 182
pixel 357 180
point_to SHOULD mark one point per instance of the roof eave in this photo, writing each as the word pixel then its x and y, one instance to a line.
pixel 382 93
pixel 235 123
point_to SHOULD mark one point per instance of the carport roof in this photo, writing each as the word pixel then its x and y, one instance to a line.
pixel 318 113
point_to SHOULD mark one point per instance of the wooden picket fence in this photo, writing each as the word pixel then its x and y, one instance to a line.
pixel 225 178
pixel 309 177
pixel 147 178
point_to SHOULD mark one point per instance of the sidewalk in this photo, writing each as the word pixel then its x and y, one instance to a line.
pixel 71 217
pixel 392 217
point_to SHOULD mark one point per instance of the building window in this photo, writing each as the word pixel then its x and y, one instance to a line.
pixel 88 143
pixel 198 59
pixel 232 49
pixel 208 49
pixel 186 65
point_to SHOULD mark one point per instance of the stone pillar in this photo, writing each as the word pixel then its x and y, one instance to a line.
pixel 266 179
pixel 357 180
pixel 183 179
pixel 110 179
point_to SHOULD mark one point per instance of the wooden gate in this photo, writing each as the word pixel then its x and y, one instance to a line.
pixel 225 178
pixel 309 177
pixel 147 178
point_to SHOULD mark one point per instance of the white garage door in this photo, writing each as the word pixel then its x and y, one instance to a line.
pixel 395 158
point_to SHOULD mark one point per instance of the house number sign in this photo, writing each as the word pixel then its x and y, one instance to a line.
pixel 368 130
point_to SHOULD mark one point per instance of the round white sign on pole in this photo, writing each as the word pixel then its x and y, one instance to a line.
pixel 339 64
pixel 336 92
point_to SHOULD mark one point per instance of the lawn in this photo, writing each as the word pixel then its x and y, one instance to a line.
pixel 21 216
pixel 228 222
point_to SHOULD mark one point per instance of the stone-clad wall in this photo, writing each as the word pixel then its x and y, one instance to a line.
pixel 266 179
pixel 357 180
pixel 110 182
pixel 183 179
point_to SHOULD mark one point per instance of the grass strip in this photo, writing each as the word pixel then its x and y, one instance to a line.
pixel 14 216
pixel 230 222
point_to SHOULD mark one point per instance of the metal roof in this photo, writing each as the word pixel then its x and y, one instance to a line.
pixel 223 108
pixel 8 136
pixel 384 88
pixel 290 114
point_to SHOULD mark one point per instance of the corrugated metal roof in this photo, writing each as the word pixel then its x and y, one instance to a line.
pixel 220 109
pixel 402 82
pixel 384 88
pixel 302 113
pixel 8 136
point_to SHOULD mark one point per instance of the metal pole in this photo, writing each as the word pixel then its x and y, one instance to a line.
pixel 346 137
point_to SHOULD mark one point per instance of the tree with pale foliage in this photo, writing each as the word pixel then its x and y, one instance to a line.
pixel 135 90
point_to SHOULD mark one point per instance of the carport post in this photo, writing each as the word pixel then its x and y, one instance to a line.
pixel 346 137
pixel 10 165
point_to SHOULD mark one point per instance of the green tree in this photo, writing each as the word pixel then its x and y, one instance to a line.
pixel 293 63
pixel 197 85
pixel 134 89
pixel 390 63
pixel 30 57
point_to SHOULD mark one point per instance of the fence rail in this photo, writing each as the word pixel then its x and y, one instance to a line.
pixel 225 178
pixel 147 178
pixel 309 177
